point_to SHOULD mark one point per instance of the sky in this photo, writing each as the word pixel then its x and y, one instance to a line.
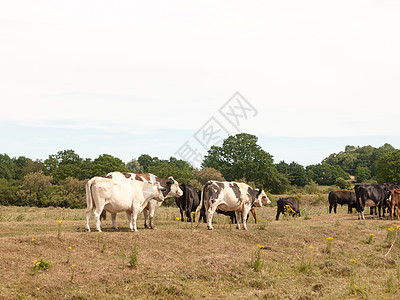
pixel 171 78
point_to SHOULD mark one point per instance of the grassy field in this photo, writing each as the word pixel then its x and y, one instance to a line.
pixel 288 259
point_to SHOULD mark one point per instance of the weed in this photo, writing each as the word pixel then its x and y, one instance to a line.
pixel 337 223
pixel 104 247
pixel 72 273
pixel 59 229
pixel 69 249
pixel 329 244
pixel 133 258
pixel 257 262
pixel 353 286
pixel 389 283
pixel 305 265
pixel 41 265
pixel 370 238
pixel 20 218
pixel 261 225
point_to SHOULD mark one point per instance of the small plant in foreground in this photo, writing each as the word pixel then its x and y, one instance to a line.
pixel 353 285
pixel 69 249
pixel 257 263
pixel 72 273
pixel 370 238
pixel 133 258
pixel 41 265
pixel 178 219
pixel 261 225
pixel 389 283
pixel 306 263
pixel 329 243
pixel 59 229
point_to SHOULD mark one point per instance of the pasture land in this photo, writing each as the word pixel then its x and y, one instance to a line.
pixel 180 261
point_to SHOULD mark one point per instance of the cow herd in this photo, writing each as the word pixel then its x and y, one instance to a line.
pixel 135 193
pixel 382 196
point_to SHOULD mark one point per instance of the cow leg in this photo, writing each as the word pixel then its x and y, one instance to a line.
pixel 278 214
pixel 334 208
pixel 237 215
pixel 114 221
pixel 145 214
pixel 96 215
pixel 88 215
pixel 245 214
pixel 209 214
pixel 133 226
pixel 253 212
pixel 151 216
pixel 129 217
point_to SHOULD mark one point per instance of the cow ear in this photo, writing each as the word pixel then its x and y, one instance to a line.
pixel 259 192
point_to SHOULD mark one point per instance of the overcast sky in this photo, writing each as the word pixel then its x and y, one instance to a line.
pixel 134 77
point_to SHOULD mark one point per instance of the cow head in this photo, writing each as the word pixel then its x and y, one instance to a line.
pixel 173 187
pixel 261 199
pixel 159 195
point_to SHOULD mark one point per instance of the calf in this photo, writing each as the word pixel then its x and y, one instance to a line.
pixel 342 197
pixel 282 206
pixel 232 214
pixel 394 200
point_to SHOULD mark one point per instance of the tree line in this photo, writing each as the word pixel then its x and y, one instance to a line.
pixel 60 179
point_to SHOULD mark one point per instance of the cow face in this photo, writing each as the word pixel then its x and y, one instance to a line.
pixel 159 192
pixel 262 198
pixel 174 189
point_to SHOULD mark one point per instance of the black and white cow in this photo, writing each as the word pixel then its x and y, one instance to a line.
pixel 230 196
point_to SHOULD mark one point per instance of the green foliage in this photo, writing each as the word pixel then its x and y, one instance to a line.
pixel 342 184
pixel 363 174
pixel 295 172
pixel 207 174
pixel 325 174
pixel 106 163
pixel 388 168
pixel 354 157
pixel 41 265
pixel 7 169
pixel 134 167
pixel 8 193
pixel 241 157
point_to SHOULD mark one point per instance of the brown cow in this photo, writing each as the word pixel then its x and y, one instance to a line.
pixel 394 200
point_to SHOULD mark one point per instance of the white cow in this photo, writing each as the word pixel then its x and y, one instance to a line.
pixel 171 186
pixel 230 196
pixel 119 195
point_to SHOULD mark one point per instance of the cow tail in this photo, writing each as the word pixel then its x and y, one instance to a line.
pixel 198 210
pixel 89 197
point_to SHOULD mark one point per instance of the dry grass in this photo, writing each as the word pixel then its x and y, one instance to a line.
pixel 179 261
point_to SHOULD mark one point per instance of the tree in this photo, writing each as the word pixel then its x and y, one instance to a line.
pixel 64 164
pixel 388 168
pixel 363 174
pixel 325 174
pixel 134 167
pixel 295 172
pixel 241 157
pixel 7 168
pixel 206 174
pixel 106 163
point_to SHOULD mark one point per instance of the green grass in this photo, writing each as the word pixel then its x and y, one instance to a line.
pixel 189 262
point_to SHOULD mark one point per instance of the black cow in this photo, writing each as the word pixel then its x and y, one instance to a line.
pixel 282 204
pixel 371 195
pixel 342 197
pixel 188 202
